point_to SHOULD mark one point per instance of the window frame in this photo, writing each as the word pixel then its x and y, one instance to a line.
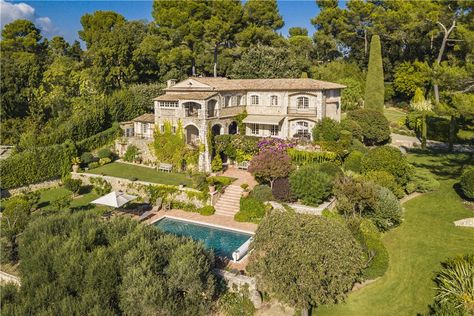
pixel 255 129
pixel 257 97
pixel 274 130
pixel 227 101
pixel 169 104
pixel 304 104
pixel 272 98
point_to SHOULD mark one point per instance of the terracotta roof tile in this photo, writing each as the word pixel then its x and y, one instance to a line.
pixel 147 118
pixel 221 83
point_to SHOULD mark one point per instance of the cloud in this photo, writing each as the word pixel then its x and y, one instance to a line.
pixel 10 12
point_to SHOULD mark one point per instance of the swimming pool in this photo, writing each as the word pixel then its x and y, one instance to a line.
pixel 224 242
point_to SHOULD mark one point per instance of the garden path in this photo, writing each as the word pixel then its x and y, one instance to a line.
pixel 242 177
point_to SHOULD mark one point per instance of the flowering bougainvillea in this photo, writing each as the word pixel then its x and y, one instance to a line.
pixel 274 144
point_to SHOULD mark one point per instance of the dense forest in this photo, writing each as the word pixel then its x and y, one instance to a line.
pixel 52 90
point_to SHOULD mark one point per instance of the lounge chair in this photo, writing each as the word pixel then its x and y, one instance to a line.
pixel 146 215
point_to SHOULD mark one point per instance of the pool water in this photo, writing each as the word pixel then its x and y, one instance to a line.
pixel 222 241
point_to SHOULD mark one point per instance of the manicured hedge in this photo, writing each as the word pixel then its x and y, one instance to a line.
pixel 467 183
pixel 33 166
pixel 99 139
pixel 251 210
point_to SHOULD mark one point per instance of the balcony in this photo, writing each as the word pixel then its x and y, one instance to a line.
pixel 308 111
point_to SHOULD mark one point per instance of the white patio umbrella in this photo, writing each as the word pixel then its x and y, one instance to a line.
pixel 115 199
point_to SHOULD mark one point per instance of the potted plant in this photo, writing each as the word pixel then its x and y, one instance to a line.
pixel 75 163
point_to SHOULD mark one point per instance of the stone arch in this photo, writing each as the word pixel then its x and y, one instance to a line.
pixel 211 108
pixel 191 108
pixel 233 128
pixel 216 129
pixel 191 134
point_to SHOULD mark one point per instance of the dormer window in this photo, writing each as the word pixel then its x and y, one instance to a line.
pixel 274 100
pixel 302 102
pixel 254 100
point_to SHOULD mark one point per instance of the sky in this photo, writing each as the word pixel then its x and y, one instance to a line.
pixel 63 17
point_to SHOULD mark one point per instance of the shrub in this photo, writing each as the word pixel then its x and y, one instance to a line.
pixel 104 153
pixel 93 165
pixel 236 304
pixel 200 181
pixel 454 284
pixel 354 196
pixel 216 163
pixel 281 190
pixel 386 180
pixel 296 256
pixel 345 137
pixel 87 158
pixel 244 186
pixel 310 185
pixel 73 185
pixel 389 159
pixel 357 145
pixel 327 130
pixel 376 253
pixel 386 212
pixel 131 154
pixel 330 168
pixel 353 161
pixel 421 180
pixel 207 210
pixel 270 165
pixel 375 127
pixel 251 210
pixel 36 165
pixel 353 127
pixel 185 206
pixel 104 161
pixel 467 183
pixel 101 186
pixel 262 193
pixel 303 157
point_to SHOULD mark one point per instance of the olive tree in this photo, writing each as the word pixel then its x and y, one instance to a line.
pixel 313 265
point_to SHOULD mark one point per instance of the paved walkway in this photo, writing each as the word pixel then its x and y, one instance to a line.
pixel 218 220
pixel 410 142
pixel 242 176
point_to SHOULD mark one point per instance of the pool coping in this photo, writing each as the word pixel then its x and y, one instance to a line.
pixel 252 234
pixel 204 224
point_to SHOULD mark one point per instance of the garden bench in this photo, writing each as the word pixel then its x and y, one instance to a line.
pixel 244 165
pixel 165 167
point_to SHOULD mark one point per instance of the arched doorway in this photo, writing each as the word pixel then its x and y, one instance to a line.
pixel 211 108
pixel 192 135
pixel 216 131
pixel 191 109
pixel 233 128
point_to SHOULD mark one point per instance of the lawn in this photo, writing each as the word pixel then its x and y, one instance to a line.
pixel 393 114
pixel 81 202
pixel 121 170
pixel 426 238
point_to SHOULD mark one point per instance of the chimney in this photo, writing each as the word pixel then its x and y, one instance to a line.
pixel 170 83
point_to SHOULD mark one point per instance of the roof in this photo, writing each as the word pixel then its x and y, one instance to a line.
pixel 185 96
pixel 263 119
pixel 221 83
pixel 147 118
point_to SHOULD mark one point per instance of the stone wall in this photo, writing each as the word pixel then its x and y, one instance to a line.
pixel 237 282
pixel 304 209
pixel 142 144
pixel 31 187
pixel 139 187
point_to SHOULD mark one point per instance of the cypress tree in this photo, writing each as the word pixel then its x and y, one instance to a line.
pixel 374 87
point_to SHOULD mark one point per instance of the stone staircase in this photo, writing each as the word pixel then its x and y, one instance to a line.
pixel 229 203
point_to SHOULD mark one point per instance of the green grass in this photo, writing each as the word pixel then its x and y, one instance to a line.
pixel 393 114
pixel 81 202
pixel 121 170
pixel 425 239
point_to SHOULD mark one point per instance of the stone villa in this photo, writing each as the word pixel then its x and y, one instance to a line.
pixel 283 108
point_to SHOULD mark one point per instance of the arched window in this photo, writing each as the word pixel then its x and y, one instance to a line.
pixel 302 102
pixel 274 100
pixel 254 100
pixel 302 130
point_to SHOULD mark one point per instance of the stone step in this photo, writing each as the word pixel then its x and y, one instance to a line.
pixel 224 212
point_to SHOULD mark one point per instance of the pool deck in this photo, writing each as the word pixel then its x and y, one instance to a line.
pixel 212 220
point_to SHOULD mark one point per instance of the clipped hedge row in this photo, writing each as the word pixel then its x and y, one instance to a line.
pixel 100 139
pixel 33 166
pixel 377 254
pixel 302 157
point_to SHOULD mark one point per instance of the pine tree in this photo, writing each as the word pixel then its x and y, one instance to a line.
pixel 374 88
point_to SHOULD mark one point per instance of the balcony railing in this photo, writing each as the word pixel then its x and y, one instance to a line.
pixel 303 111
